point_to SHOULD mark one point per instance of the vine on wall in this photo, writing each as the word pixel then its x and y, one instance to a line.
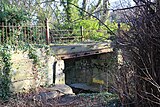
pixel 5 69
pixel 39 68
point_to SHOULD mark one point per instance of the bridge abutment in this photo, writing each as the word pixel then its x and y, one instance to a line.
pixel 58 75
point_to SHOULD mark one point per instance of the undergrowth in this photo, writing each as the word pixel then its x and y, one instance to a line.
pixel 104 99
pixel 6 65
pixel 5 69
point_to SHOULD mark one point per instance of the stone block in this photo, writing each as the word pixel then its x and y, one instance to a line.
pixel 23 85
pixel 59 67
pixel 51 61
pixel 60 79
pixel 59 75
pixel 21 69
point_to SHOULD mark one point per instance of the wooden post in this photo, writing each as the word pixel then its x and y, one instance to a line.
pixel 47 32
pixel 81 30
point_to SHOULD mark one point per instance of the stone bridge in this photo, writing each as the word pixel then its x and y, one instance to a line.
pixel 85 65
pixel 88 63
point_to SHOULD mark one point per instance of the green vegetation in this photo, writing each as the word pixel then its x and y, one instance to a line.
pixel 5 70
pixel 73 18
pixel 12 39
pixel 64 15
pixel 107 99
pixel 12 13
pixel 142 37
pixel 93 30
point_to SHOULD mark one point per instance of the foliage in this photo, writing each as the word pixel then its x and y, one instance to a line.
pixel 39 68
pixel 74 17
pixel 11 16
pixel 6 66
pixel 125 27
pixel 108 99
pixel 65 13
pixel 90 24
pixel 5 69
pixel 112 26
pixel 32 55
pixel 94 31
pixel 12 13
pixel 70 10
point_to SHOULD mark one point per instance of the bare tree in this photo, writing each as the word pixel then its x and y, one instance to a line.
pixel 141 48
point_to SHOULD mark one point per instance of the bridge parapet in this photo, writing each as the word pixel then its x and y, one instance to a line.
pixel 81 49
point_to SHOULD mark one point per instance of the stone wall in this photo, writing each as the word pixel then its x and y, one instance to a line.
pixel 25 76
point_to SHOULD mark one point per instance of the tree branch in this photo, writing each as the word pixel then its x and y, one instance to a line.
pixel 85 12
pixel 127 8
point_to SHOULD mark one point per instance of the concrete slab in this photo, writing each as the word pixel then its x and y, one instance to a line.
pixel 66 51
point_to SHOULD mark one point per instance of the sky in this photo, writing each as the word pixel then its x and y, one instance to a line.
pixel 121 3
pixel 114 4
pixel 111 1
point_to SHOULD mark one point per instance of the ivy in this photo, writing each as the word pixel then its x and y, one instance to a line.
pixel 37 67
pixel 32 55
pixel 5 69
pixel 6 66
pixel 107 99
pixel 12 13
